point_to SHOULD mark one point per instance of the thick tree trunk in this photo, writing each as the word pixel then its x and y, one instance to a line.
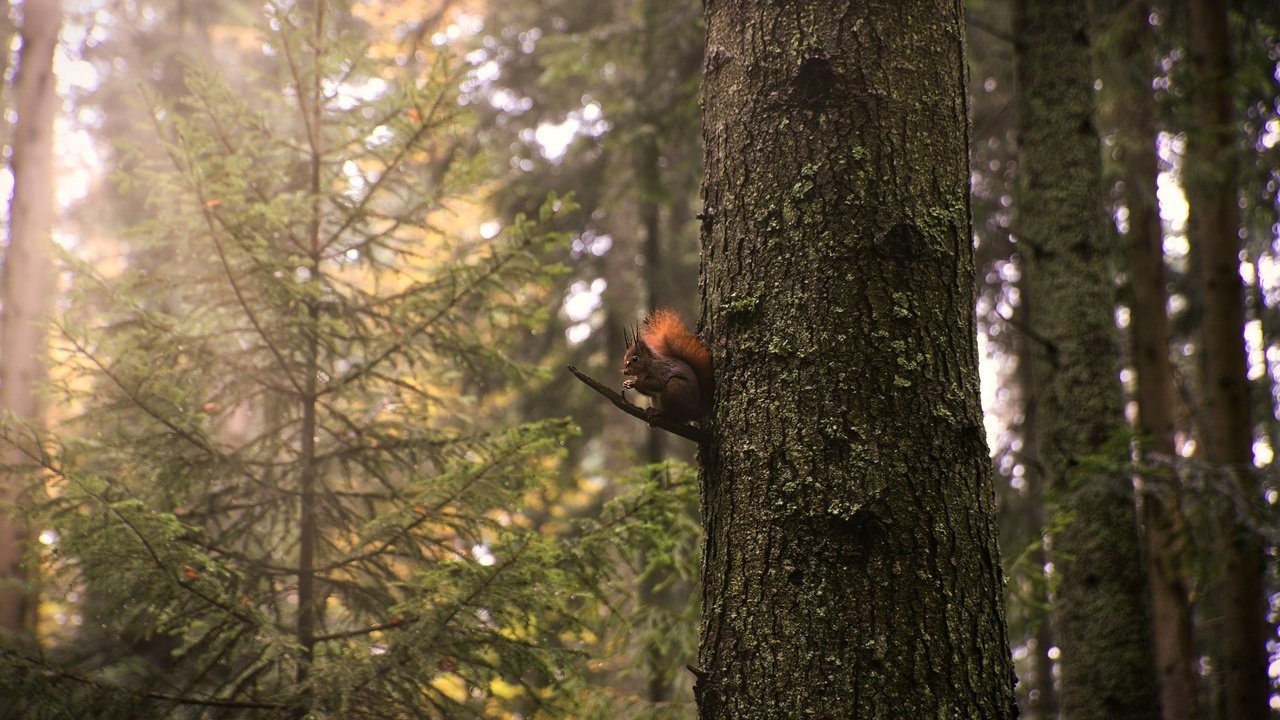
pixel 1224 421
pixel 1128 64
pixel 1102 625
pixel 850 567
pixel 27 283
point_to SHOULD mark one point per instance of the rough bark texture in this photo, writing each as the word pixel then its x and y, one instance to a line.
pixel 1101 620
pixel 27 283
pixel 1128 64
pixel 1224 423
pixel 850 567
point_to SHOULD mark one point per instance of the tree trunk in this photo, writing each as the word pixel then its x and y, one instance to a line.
pixel 1225 426
pixel 27 285
pixel 310 484
pixel 1042 696
pixel 850 567
pixel 1102 625
pixel 1132 117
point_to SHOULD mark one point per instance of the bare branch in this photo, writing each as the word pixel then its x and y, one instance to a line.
pixel 684 430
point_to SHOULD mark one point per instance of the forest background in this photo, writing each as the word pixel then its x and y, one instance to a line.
pixel 303 441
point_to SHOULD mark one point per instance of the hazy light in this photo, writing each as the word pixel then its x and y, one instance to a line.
pixel 482 555
pixel 583 299
pixel 554 138
pixel 1173 203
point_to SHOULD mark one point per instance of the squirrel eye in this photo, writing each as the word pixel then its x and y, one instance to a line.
pixel 635 358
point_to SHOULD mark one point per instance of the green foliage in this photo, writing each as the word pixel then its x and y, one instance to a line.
pixel 291 484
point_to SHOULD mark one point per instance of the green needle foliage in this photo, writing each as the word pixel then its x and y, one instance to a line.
pixel 290 484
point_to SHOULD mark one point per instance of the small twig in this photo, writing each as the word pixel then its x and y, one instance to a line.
pixel 684 430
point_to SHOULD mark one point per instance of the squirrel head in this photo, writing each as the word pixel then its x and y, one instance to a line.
pixel 638 354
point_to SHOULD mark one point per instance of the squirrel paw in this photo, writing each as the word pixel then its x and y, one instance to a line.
pixel 628 384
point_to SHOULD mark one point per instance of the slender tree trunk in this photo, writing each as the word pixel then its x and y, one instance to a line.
pixel 309 598
pixel 1102 625
pixel 27 286
pixel 850 567
pixel 1128 64
pixel 1042 699
pixel 1225 424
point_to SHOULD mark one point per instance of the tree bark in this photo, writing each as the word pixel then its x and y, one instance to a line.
pixel 850 567
pixel 27 285
pixel 1102 625
pixel 1128 64
pixel 1224 420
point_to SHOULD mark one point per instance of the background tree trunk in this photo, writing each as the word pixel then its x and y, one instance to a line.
pixel 1043 704
pixel 1224 418
pixel 1101 621
pixel 850 566
pixel 27 284
pixel 1128 63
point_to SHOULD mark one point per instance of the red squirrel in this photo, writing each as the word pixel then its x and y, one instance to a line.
pixel 668 363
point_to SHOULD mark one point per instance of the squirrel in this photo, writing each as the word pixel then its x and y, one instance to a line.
pixel 671 365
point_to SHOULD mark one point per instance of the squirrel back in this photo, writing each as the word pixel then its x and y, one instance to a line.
pixel 670 364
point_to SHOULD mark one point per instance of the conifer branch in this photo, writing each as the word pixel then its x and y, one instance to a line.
pixel 393 165
pixel 48 465
pixel 457 296
pixel 213 223
pixel 12 656
pixel 423 517
pixel 224 139
pixel 132 394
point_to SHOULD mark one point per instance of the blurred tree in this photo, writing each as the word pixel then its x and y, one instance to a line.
pixel 1255 43
pixel 1225 424
pixel 27 285
pixel 7 31
pixel 600 99
pixel 1001 313
pixel 124 41
pixel 847 489
pixel 1125 50
pixel 1101 620
pixel 294 487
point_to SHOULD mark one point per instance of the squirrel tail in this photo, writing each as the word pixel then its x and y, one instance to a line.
pixel 666 334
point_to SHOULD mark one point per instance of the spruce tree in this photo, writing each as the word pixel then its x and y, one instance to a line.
pixel 293 487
